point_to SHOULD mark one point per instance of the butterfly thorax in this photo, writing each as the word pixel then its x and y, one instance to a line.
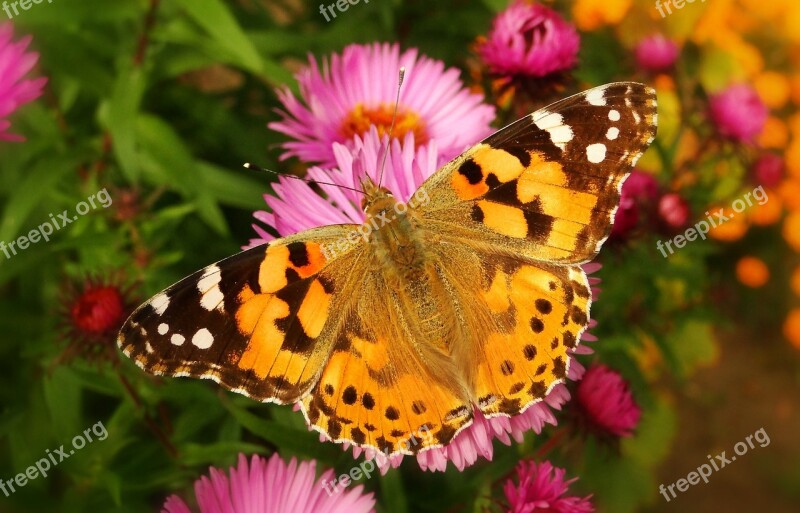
pixel 393 236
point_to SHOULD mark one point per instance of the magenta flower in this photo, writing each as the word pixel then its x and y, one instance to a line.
pixel 674 211
pixel 738 113
pixel 407 166
pixel 272 486
pixel 531 40
pixel 656 53
pixel 357 90
pixel 606 402
pixel 638 192
pixel 768 170
pixel 542 489
pixel 14 91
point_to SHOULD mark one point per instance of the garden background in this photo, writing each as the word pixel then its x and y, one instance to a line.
pixel 159 103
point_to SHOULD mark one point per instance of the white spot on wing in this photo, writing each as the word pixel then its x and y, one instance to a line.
pixel 553 123
pixel 597 96
pixel 208 286
pixel 177 339
pixel 613 115
pixel 203 338
pixel 596 153
pixel 612 133
pixel 163 328
pixel 160 303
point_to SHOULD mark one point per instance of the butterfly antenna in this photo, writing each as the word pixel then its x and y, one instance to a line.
pixel 402 74
pixel 265 170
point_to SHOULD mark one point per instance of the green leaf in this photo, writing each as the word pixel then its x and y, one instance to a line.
pixel 215 17
pixel 120 119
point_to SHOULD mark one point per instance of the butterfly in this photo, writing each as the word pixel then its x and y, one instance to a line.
pixel 430 311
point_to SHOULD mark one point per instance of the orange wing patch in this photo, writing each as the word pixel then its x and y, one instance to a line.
pixel 385 395
pixel 541 312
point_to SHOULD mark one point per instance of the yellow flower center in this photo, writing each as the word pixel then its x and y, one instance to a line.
pixel 359 120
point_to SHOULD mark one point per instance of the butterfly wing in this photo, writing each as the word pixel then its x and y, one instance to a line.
pixel 520 210
pixel 546 187
pixel 385 386
pixel 260 322
pixel 306 317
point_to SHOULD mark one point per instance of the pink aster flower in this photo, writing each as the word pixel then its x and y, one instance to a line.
pixel 272 486
pixel 738 113
pixel 407 166
pixel 674 211
pixel 357 90
pixel 15 63
pixel 656 53
pixel 530 39
pixel 542 488
pixel 768 170
pixel 606 402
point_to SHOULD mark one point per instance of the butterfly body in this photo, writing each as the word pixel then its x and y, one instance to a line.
pixel 467 299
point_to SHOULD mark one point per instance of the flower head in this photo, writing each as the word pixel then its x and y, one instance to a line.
pixel 15 63
pixel 656 53
pixel 768 170
pixel 738 113
pixel 593 14
pixel 530 40
pixel 272 486
pixel 673 211
pixel 542 489
pixel 356 90
pixel 92 314
pixel 606 403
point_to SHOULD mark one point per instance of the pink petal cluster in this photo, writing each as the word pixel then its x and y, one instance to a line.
pixel 606 402
pixel 15 63
pixel 542 488
pixel 738 113
pixel 271 486
pixel 768 170
pixel 364 77
pixel 530 39
pixel 674 211
pixel 656 53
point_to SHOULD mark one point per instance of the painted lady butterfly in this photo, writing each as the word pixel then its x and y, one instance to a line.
pixel 468 301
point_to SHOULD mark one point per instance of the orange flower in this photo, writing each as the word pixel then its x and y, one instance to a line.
pixel 790 194
pixel 791 327
pixel 792 158
pixel 768 213
pixel 773 88
pixel 752 272
pixel 791 230
pixel 731 230
pixel 795 281
pixel 775 134
pixel 593 14
pixel 794 82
